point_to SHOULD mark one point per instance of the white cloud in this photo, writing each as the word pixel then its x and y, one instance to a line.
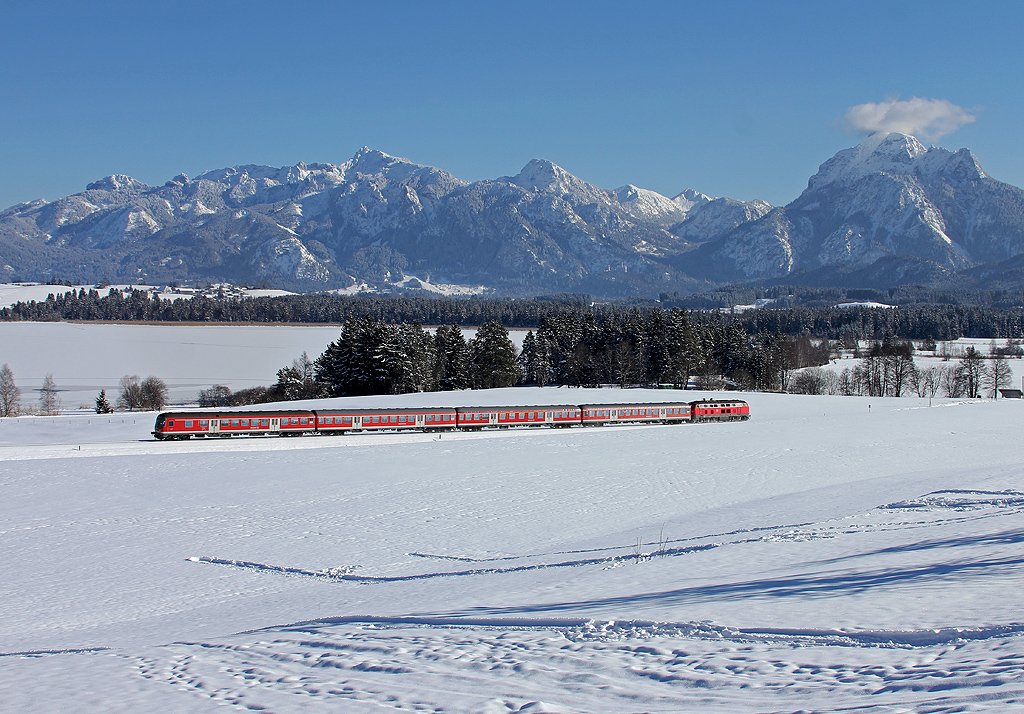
pixel 924 118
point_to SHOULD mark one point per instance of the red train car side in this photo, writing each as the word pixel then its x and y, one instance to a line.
pixel 707 410
pixel 185 425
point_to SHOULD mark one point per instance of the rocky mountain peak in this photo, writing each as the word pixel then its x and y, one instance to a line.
pixel 691 198
pixel 116 182
pixel 542 175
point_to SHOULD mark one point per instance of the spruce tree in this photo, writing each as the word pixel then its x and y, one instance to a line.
pixel 493 357
pixel 102 405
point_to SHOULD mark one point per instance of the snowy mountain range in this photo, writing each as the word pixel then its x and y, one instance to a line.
pixel 888 210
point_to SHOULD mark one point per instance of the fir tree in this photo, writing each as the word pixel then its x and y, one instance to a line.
pixel 451 359
pixel 102 405
pixel 493 357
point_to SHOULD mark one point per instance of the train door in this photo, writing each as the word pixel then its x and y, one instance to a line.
pixel 275 424
pixel 357 421
pixel 214 426
pixel 548 417
pixel 493 419
pixel 419 421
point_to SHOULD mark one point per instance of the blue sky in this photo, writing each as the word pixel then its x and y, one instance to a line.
pixel 737 99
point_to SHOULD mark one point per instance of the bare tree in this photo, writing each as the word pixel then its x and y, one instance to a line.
pixel 926 381
pixel 130 394
pixel 812 380
pixel 153 391
pixel 10 394
pixel 847 385
pixel 216 396
pixel 49 400
pixel 997 376
pixel 972 369
pixel 952 381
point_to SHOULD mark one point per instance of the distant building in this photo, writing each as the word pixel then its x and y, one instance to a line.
pixel 1011 393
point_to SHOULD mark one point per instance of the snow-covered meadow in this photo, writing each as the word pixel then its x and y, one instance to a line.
pixel 87 357
pixel 833 553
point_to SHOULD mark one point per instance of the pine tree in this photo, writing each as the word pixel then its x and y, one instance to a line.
pixel 493 357
pixel 102 405
pixel 451 359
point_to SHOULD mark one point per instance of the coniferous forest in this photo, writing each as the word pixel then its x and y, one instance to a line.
pixel 383 347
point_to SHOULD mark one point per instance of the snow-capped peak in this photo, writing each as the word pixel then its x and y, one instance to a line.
pixel 116 182
pixel 894 154
pixel 369 161
pixel 642 203
pixel 690 198
pixel 542 175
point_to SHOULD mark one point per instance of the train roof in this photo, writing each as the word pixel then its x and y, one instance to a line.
pixel 381 410
pixel 632 405
pixel 213 414
pixel 520 408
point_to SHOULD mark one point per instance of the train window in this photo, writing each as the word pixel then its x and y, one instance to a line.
pixel 188 423
pixel 204 423
pixel 170 423
pixel 401 419
pixel 346 421
pixel 264 422
pixel 225 422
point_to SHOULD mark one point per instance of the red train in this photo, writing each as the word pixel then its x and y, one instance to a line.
pixel 291 422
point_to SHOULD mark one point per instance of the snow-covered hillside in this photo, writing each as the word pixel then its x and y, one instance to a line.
pixel 830 554
pixel 375 220
pixel 898 212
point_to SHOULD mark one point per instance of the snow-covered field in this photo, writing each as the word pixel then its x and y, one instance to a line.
pixel 87 357
pixel 831 554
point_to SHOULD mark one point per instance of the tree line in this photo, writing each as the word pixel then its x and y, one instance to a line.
pixel 887 369
pixel 911 322
pixel 149 394
pixel 321 308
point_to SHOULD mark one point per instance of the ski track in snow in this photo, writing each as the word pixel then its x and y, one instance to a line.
pixel 502 660
pixel 933 510
pixel 512 618
pixel 595 666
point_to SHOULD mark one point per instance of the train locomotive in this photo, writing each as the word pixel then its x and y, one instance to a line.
pixel 295 422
